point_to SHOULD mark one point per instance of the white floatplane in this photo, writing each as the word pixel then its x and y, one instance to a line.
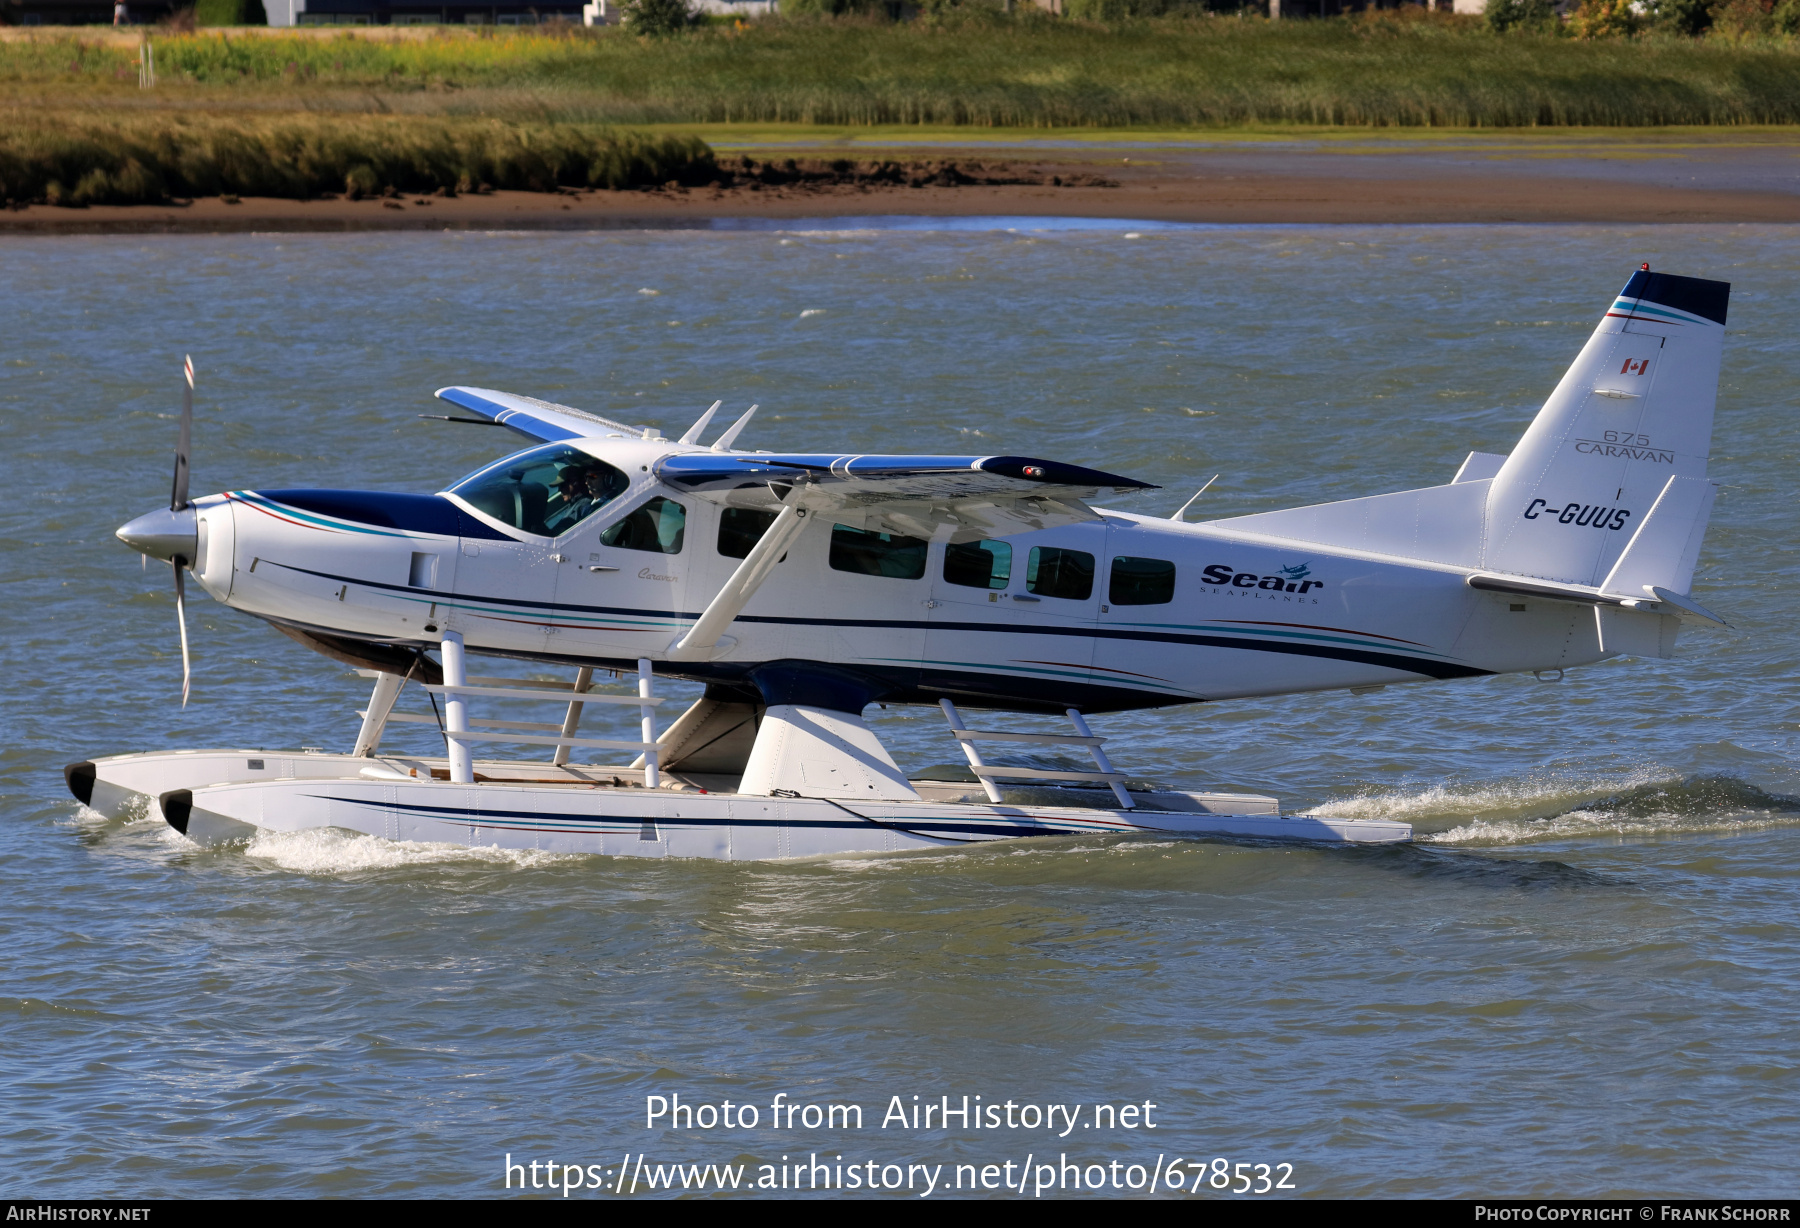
pixel 800 588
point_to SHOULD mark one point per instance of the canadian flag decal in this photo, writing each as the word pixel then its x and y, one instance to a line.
pixel 1635 366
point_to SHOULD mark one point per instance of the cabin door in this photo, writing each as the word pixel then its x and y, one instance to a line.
pixel 503 594
pixel 621 581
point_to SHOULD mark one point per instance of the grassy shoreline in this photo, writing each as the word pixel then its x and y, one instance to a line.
pixel 148 159
pixel 1181 74
pixel 299 114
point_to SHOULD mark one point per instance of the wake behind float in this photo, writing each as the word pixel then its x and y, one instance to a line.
pixel 956 581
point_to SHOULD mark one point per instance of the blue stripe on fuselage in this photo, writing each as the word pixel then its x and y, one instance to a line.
pixel 1386 660
pixel 386 510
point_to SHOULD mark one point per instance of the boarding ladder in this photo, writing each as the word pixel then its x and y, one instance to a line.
pixel 1083 736
pixel 460 730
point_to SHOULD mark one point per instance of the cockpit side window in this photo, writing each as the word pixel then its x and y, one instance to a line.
pixel 658 525
pixel 546 491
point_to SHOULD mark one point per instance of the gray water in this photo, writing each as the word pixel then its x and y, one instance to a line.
pixel 1581 979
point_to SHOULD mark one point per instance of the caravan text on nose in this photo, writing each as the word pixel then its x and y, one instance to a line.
pixel 163 534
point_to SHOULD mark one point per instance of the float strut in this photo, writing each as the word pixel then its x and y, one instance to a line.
pixel 648 713
pixel 1100 759
pixel 456 710
pixel 381 703
pixel 969 752
pixel 572 718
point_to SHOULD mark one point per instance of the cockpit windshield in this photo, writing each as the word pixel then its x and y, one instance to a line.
pixel 546 490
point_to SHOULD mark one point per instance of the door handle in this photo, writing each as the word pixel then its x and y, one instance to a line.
pixel 595 568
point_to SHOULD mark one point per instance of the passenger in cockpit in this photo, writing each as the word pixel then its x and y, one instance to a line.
pixel 573 499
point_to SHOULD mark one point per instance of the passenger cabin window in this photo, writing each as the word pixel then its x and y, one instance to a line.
pixel 740 528
pixel 1141 582
pixel 983 564
pixel 546 491
pixel 877 554
pixel 657 526
pixel 1054 572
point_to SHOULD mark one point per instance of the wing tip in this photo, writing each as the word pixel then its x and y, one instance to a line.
pixel 1058 473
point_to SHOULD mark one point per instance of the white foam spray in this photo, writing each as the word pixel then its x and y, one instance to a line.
pixel 327 851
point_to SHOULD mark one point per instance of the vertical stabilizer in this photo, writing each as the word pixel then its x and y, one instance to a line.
pixel 1634 411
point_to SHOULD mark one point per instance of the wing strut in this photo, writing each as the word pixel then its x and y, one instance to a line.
pixel 698 643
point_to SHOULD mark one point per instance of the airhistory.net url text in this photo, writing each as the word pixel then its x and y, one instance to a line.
pixel 1032 1176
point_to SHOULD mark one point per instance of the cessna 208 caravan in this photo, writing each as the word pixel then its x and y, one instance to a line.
pixel 801 587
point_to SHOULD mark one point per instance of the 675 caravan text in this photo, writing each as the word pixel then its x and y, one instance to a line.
pixel 965 1113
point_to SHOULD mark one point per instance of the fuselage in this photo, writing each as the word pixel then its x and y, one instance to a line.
pixel 1126 611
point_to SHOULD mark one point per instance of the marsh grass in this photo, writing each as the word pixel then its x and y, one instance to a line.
pixel 152 157
pixel 1032 72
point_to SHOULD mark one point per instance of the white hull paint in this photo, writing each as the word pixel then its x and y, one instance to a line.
pixel 214 797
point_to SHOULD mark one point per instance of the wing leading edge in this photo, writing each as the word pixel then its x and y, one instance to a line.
pixel 541 420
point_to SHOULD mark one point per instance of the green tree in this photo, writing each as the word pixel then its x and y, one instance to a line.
pixel 1689 17
pixel 1504 15
pixel 657 18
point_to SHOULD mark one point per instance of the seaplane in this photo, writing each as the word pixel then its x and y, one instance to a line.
pixel 800 588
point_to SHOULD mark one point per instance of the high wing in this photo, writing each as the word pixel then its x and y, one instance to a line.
pixel 541 420
pixel 958 497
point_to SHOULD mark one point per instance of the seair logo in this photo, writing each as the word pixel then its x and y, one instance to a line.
pixel 1291 580
pixel 1581 515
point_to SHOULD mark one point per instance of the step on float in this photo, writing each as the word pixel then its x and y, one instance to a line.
pixel 728 780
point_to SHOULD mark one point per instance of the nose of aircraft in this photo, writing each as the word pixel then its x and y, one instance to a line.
pixel 163 534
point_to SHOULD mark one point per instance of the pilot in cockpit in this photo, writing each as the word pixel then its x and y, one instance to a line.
pixel 573 499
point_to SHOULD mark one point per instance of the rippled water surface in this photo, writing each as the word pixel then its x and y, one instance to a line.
pixel 1582 979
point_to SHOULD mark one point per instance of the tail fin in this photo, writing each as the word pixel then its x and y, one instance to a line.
pixel 1626 431
pixel 1616 457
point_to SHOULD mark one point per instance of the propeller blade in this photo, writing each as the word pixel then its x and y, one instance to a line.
pixel 178 493
pixel 181 621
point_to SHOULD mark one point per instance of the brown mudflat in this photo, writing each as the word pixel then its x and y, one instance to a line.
pixel 1246 186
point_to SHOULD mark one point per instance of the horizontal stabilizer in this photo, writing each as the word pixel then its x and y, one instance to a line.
pixel 1539 588
pixel 1685 605
pixel 1439 524
pixel 1478 467
pixel 1654 601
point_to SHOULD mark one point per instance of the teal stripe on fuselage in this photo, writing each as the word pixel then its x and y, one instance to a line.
pixel 345 526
